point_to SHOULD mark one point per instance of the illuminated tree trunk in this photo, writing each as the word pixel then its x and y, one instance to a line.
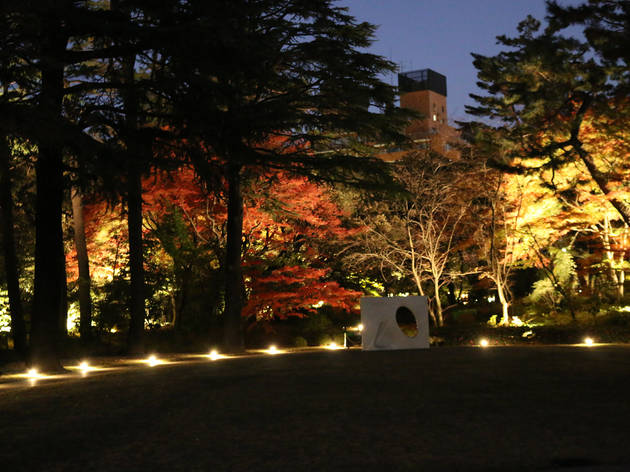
pixel 415 270
pixel 438 301
pixel 85 299
pixel 18 328
pixel 233 332
pixel 416 277
pixel 505 317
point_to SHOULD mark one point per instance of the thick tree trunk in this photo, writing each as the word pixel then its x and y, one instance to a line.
pixel 622 206
pixel 233 332
pixel 18 327
pixel 85 298
pixel 48 300
pixel 49 288
pixel 135 150
pixel 136 262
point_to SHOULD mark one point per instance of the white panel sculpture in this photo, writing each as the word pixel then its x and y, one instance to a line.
pixel 381 330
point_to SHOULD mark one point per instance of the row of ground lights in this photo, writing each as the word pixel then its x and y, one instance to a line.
pixel 483 342
pixel 84 367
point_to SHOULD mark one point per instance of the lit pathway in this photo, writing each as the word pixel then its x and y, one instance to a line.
pixel 17 377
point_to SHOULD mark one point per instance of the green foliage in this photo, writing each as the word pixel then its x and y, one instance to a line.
pixel 559 280
pixel 563 267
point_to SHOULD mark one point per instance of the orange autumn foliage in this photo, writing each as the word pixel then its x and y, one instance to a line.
pixel 286 228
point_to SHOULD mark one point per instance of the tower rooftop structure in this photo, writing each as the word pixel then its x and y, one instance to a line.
pixel 423 79
pixel 424 91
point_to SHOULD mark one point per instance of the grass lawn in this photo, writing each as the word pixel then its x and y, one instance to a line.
pixel 444 409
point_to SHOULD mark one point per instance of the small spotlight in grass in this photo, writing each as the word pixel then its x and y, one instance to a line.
pixel 152 360
pixel 33 374
pixel 273 350
pixel 214 355
pixel 484 342
pixel 333 346
pixel 588 341
pixel 84 367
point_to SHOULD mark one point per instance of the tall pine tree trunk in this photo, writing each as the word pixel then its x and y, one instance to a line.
pixel 135 343
pixel 18 327
pixel 49 297
pixel 85 298
pixel 136 263
pixel 232 324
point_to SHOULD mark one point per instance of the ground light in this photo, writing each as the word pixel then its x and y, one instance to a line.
pixel 84 367
pixel 214 355
pixel 333 346
pixel 484 342
pixel 152 360
pixel 588 341
pixel 33 374
pixel 273 350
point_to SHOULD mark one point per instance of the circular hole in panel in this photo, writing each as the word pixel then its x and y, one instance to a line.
pixel 407 322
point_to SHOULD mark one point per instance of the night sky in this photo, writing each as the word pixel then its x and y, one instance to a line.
pixel 441 34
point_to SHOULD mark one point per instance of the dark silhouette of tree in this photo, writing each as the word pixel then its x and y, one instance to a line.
pixel 18 326
pixel 607 29
pixel 248 73
pixel 44 65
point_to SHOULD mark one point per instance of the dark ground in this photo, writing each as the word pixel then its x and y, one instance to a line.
pixel 446 409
